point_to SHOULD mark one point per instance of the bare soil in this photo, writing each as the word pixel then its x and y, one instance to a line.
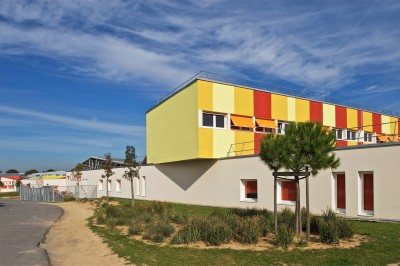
pixel 71 242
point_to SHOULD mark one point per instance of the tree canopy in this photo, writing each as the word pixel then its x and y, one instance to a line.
pixel 107 167
pixel 12 171
pixel 50 170
pixel 133 167
pixel 31 171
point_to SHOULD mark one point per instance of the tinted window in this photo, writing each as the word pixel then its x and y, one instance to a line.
pixel 207 120
pixel 220 121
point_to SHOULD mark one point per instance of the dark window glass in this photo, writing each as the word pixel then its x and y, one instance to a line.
pixel 339 134
pixel 219 121
pixel 207 120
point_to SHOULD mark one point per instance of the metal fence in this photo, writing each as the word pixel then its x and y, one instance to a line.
pixel 57 193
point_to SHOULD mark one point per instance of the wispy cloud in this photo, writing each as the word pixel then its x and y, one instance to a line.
pixel 78 124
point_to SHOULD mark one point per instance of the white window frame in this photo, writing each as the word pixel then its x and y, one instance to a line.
pixel 214 120
pixel 355 135
pixel 336 133
pixel 279 200
pixel 118 185
pixel 281 127
pixel 372 137
pixel 334 192
pixel 100 185
pixel 243 191
pixel 143 186
pixel 361 211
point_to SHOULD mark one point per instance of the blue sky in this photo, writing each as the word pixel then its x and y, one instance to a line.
pixel 77 77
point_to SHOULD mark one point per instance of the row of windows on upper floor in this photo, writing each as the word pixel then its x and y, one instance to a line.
pixel 252 124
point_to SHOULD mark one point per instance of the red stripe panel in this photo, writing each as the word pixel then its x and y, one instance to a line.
pixel 288 190
pixel 341 191
pixel 341 117
pixel 262 104
pixel 368 192
pixel 377 124
pixel 251 187
pixel 257 139
pixel 316 113
pixel 341 143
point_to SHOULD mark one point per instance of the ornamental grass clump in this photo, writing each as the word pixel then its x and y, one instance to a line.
pixel 286 217
pixel 333 227
pixel 248 231
pixel 329 232
pixel 157 231
pixel 265 224
pixel 285 235
pixel 250 212
pixel 190 232
pixel 216 232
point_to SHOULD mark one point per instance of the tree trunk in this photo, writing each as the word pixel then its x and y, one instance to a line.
pixel 108 200
pixel 275 208
pixel 133 193
pixel 308 207
pixel 297 207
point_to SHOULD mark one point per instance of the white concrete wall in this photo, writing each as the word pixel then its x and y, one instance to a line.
pixel 217 182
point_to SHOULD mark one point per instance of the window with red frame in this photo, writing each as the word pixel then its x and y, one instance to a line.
pixel 250 189
pixel 288 190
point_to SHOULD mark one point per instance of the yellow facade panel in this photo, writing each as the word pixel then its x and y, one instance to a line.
pixel 168 143
pixel 393 125
pixel 222 141
pixel 223 98
pixel 367 121
pixel 352 143
pixel 302 110
pixel 279 107
pixel 385 124
pixel 329 115
pixel 352 120
pixel 244 101
pixel 244 143
pixel 206 143
pixel 205 92
pixel 291 109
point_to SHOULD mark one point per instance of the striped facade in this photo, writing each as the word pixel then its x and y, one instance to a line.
pixel 210 120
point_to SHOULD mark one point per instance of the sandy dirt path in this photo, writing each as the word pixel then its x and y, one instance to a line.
pixel 71 242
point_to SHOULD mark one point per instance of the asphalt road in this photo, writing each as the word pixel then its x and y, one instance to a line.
pixel 23 225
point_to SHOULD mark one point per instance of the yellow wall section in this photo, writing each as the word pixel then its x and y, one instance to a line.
pixel 291 109
pixel 329 115
pixel 352 143
pixel 279 107
pixel 385 124
pixel 393 125
pixel 367 121
pixel 205 91
pixel 302 110
pixel 244 102
pixel 352 119
pixel 244 141
pixel 223 98
pixel 206 143
pixel 223 139
pixel 172 128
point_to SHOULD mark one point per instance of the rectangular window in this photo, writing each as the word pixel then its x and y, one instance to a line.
pixel 214 120
pixel 288 191
pixel 118 186
pixel 249 190
pixel 351 135
pixel 100 184
pixel 282 126
pixel 242 123
pixel 368 137
pixel 143 186
pixel 368 192
pixel 340 192
pixel 265 126
pixel 338 133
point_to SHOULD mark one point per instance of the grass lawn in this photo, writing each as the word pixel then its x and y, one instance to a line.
pixel 9 194
pixel 383 247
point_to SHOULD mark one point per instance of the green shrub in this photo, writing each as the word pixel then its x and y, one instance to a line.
pixel 346 228
pixel 286 216
pixel 302 243
pixel 191 232
pixel 329 232
pixel 135 229
pixel 110 223
pixel 314 224
pixel 285 235
pixel 265 224
pixel 158 230
pixel 248 231
pixel 101 219
pixel 69 198
pixel 216 232
pixel 177 218
pixel 250 212
pixel 230 219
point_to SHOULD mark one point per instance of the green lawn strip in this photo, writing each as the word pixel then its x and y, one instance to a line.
pixel 9 194
pixel 382 248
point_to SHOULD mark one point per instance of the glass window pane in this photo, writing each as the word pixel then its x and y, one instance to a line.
pixel 220 121
pixel 207 120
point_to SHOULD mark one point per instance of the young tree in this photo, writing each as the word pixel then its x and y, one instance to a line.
pixel 77 175
pixel 305 147
pixel 133 168
pixel 12 171
pixel 107 171
pixel 31 171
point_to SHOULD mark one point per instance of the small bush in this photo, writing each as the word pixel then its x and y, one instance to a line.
pixel 191 232
pixel 302 243
pixel 248 231
pixel 265 224
pixel 286 216
pixel 177 218
pixel 314 224
pixel 329 232
pixel 285 235
pixel 157 231
pixel 135 229
pixel 101 219
pixel 110 223
pixel 250 212
pixel 69 198
pixel 216 232
pixel 346 228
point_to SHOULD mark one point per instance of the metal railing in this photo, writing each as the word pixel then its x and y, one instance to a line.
pixel 57 193
pixel 253 84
